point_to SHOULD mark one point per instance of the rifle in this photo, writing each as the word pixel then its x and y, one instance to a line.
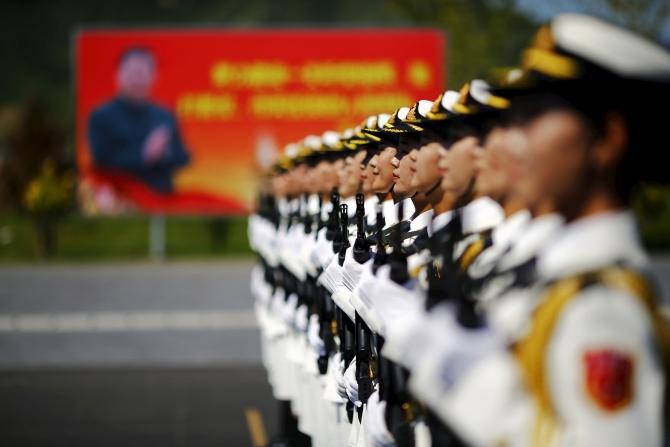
pixel 399 409
pixel 383 365
pixel 363 333
pixel 333 227
pixel 306 217
pixel 442 278
pixel 361 245
pixel 327 326
pixel 399 273
pixel 380 256
pixel 345 325
pixel 344 222
pixel 319 221
pixel 330 317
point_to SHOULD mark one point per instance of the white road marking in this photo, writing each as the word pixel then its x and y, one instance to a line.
pixel 127 321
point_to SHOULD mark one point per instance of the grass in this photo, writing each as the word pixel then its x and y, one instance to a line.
pixel 652 207
pixel 83 239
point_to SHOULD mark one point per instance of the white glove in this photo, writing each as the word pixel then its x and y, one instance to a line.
pixel 276 327
pixel 288 309
pixel 376 431
pixel 277 302
pixel 290 256
pixel 331 278
pixel 443 350
pixel 342 299
pixel 301 318
pixel 323 253
pixel 460 347
pixel 330 390
pixel 360 298
pixel 351 384
pixel 271 255
pixel 313 337
pixel 396 305
pixel 306 250
pixel 410 343
pixel 485 404
pixel 351 270
pixel 338 373
pixel 260 289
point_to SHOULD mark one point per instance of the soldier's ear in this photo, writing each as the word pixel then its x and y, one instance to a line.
pixel 611 147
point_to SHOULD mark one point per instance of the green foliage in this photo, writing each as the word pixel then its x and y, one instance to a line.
pixel 652 206
pixel 482 34
pixel 49 192
pixel 32 153
pixel 86 239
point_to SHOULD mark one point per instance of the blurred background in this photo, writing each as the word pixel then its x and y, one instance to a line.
pixel 105 340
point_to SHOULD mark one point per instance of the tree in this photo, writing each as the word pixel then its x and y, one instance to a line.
pixel 482 34
pixel 645 17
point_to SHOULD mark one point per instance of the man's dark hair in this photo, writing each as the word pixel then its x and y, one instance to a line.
pixel 134 52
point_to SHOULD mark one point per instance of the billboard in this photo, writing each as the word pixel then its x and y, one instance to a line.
pixel 178 120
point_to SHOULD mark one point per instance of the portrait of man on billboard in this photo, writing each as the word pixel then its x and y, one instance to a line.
pixel 132 135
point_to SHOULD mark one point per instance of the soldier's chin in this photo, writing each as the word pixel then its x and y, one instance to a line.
pixel 400 192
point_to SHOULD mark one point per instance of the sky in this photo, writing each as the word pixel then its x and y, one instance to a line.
pixel 545 9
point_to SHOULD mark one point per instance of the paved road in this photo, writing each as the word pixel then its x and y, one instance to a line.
pixel 187 407
pixel 137 314
pixel 142 354
pixel 132 355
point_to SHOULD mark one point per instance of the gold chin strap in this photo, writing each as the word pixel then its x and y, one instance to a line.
pixel 461 106
pixel 470 254
pixel 550 63
pixel 498 102
pixel 437 115
pixel 372 136
pixel 530 351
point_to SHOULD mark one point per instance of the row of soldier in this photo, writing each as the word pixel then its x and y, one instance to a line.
pixel 466 271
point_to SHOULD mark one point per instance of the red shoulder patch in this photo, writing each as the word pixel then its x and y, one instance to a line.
pixel 609 378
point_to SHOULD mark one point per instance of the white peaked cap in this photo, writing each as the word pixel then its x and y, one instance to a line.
pixel 424 107
pixel 480 91
pixel 449 99
pixel 330 138
pixel 382 119
pixel 614 48
pixel 312 141
pixel 291 150
pixel 402 112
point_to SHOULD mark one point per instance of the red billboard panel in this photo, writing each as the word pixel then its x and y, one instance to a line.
pixel 175 121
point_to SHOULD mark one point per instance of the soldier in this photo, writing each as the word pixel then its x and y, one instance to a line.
pixel 609 320
pixel 587 362
pixel 398 135
pixel 409 144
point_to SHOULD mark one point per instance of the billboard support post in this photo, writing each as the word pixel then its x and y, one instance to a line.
pixel 157 238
